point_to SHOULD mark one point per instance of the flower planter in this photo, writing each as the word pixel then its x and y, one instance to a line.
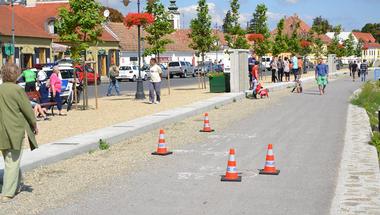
pixel 220 84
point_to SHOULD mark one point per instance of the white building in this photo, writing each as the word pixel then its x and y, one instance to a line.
pixel 173 10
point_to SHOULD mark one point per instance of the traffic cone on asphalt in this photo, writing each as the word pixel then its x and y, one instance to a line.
pixel 270 168
pixel 231 173
pixel 162 145
pixel 206 127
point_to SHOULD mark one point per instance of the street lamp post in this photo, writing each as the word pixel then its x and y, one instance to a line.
pixel 140 95
pixel 3 2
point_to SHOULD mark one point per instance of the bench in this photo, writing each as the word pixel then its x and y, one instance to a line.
pixel 36 95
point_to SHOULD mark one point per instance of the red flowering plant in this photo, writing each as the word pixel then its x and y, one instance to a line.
pixel 340 46
pixel 365 48
pixel 256 37
pixel 305 43
pixel 138 19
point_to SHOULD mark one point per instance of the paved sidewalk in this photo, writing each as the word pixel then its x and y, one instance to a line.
pixel 358 184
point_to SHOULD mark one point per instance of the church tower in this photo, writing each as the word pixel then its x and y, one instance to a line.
pixel 173 10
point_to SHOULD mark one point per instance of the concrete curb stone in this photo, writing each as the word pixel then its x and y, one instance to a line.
pixel 357 190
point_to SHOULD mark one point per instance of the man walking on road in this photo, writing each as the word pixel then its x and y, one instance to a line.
pixel 354 67
pixel 113 82
pixel 295 66
pixel 155 81
pixel 364 70
pixel 321 75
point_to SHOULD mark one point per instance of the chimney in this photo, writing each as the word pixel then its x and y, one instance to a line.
pixel 344 30
pixel 295 15
pixel 285 17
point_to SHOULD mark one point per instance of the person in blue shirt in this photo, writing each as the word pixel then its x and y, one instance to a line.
pixel 321 75
pixel 295 66
pixel 251 64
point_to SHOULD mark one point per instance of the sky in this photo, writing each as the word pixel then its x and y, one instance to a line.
pixel 351 14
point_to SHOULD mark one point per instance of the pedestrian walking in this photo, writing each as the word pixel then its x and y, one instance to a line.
pixel 251 64
pixel 354 68
pixel 287 69
pixel 16 118
pixel 30 80
pixel 274 67
pixel 359 64
pixel 155 81
pixel 295 66
pixel 300 67
pixel 113 73
pixel 349 67
pixel 321 76
pixel 280 69
pixel 364 70
pixel 55 89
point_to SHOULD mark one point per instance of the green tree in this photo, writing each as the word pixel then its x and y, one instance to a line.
pixel 349 44
pixel 358 50
pixel 252 26
pixel 264 47
pixel 81 25
pixel 323 25
pixel 203 39
pixel 236 37
pixel 279 45
pixel 317 48
pixel 226 22
pixel 334 47
pixel 373 29
pixel 161 27
pixel 115 15
pixel 294 41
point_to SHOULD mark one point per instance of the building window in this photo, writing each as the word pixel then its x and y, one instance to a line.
pixel 51 28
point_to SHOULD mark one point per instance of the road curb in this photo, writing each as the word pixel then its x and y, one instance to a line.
pixel 357 189
pixel 76 145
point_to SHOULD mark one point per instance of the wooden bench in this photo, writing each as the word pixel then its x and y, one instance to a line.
pixel 36 95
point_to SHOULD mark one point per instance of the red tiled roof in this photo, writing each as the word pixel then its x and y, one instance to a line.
pixel 289 26
pixel 23 27
pixel 368 39
pixel 43 11
pixel 129 37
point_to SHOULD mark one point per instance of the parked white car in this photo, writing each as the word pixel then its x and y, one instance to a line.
pixel 131 73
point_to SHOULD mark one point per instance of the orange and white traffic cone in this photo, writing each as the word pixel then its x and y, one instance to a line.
pixel 206 127
pixel 162 145
pixel 270 168
pixel 231 173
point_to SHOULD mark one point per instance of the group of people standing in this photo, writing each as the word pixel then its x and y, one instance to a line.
pixel 360 68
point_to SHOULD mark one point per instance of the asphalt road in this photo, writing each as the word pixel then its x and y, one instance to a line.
pixel 307 132
pixel 131 87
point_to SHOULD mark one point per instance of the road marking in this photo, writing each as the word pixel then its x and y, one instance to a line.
pixel 233 136
pixel 209 171
pixel 209 149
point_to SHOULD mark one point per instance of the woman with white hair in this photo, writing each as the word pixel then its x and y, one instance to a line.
pixel 16 117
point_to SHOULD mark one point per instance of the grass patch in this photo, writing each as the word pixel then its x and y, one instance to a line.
pixel 369 99
pixel 345 73
pixel 103 145
pixel 91 151
pixel 216 108
pixel 234 100
pixel 288 87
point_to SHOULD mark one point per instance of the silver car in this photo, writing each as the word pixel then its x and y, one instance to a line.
pixel 146 68
pixel 181 69
pixel 207 67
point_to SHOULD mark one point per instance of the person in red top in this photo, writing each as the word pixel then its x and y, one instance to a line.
pixel 255 79
pixel 55 89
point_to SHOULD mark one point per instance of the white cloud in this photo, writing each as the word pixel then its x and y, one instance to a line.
pixel 289 1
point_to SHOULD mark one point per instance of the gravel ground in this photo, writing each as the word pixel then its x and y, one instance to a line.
pixel 113 110
pixel 62 183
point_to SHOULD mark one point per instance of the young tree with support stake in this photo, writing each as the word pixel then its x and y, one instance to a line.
pixel 294 41
pixel 81 25
pixel 349 44
pixel 317 48
pixel 162 26
pixel 236 35
pixel 203 39
pixel 263 47
pixel 358 50
pixel 279 45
